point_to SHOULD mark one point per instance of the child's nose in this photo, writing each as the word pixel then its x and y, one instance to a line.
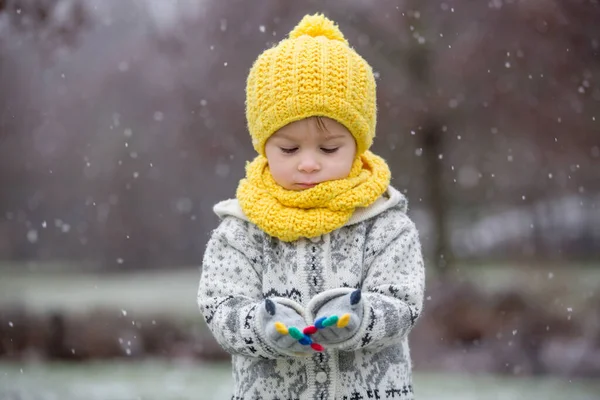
pixel 309 164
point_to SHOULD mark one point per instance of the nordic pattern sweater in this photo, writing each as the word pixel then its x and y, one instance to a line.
pixel 378 251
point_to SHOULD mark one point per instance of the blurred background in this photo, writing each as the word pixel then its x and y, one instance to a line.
pixel 122 123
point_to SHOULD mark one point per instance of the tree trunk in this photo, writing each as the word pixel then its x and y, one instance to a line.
pixel 432 141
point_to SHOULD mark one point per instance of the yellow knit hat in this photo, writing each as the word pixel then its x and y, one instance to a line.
pixel 313 72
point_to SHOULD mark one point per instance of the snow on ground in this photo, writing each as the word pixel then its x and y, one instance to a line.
pixel 155 380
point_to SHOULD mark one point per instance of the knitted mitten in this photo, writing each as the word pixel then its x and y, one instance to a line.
pixel 339 319
pixel 283 328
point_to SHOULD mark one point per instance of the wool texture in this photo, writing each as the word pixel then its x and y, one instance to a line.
pixel 380 254
pixel 289 215
pixel 313 72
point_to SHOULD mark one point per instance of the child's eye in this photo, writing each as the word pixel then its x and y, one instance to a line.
pixel 329 151
pixel 291 150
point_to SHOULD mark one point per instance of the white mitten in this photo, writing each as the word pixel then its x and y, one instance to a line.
pixel 283 327
pixel 339 318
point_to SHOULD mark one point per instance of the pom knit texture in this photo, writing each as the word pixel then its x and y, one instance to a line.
pixel 289 215
pixel 381 255
pixel 311 73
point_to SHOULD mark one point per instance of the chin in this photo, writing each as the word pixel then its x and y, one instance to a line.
pixel 291 187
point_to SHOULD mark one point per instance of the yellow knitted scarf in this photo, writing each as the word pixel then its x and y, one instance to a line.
pixel 290 215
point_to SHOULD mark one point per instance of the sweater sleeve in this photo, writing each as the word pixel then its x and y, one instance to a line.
pixel 393 285
pixel 230 289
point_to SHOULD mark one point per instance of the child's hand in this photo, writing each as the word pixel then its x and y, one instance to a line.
pixel 283 327
pixel 339 319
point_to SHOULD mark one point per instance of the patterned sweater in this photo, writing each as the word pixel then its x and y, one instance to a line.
pixel 378 250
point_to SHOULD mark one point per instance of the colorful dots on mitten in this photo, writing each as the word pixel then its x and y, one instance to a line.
pixel 317 347
pixel 319 323
pixel 310 330
pixel 281 328
pixel 305 341
pixel 295 333
pixel 325 322
pixel 303 337
pixel 343 321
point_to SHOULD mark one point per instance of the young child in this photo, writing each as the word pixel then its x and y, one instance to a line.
pixel 314 277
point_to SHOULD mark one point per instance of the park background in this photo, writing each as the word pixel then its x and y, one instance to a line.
pixel 122 124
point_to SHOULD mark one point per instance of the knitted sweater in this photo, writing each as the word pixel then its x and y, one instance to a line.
pixel 378 250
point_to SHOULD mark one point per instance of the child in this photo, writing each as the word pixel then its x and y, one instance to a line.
pixel 314 277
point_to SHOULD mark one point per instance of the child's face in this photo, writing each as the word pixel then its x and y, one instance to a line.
pixel 310 151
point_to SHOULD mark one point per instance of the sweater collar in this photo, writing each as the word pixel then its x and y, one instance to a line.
pixel 391 198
